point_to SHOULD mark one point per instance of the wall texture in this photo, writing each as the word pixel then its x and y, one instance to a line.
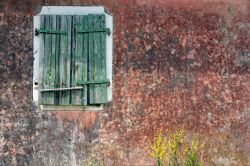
pixel 177 64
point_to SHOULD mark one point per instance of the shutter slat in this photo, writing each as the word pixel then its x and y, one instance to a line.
pixel 41 62
pixel 74 93
pixel 85 55
pixel 53 57
pixel 48 72
pixel 103 67
pixel 69 62
pixel 56 51
pixel 91 58
pixel 64 59
pixel 79 97
pixel 97 60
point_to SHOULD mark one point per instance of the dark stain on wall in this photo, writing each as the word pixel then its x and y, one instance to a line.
pixel 177 64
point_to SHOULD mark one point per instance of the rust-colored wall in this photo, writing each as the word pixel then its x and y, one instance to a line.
pixel 177 64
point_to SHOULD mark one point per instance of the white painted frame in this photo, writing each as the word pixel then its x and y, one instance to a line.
pixel 69 10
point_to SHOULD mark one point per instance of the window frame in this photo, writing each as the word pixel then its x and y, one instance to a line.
pixel 38 48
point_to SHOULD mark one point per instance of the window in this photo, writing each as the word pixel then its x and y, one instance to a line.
pixel 72 56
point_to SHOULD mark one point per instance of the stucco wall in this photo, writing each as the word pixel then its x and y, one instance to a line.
pixel 177 64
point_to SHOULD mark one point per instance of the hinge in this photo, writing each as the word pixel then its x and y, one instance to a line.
pixel 38 31
pixel 95 82
pixel 107 30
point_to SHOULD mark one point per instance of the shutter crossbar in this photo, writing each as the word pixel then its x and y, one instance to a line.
pixel 107 30
pixel 95 82
pixel 60 89
pixel 76 88
pixel 38 31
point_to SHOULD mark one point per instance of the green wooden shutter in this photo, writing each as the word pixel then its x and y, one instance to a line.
pixel 74 58
pixel 97 59
pixel 56 31
pixel 48 76
pixel 90 59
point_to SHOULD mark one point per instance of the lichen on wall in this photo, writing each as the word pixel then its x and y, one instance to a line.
pixel 176 64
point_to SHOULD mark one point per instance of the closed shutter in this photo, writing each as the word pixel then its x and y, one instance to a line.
pixel 56 40
pixel 48 76
pixel 74 60
pixel 90 59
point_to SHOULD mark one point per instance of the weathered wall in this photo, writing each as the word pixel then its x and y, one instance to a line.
pixel 177 64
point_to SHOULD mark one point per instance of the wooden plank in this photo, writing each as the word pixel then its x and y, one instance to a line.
pixel 79 97
pixel 102 63
pixel 54 58
pixel 85 55
pixel 64 60
pixel 56 27
pixel 41 62
pixel 97 61
pixel 44 24
pixel 69 57
pixel 75 94
pixel 96 89
pixel 48 68
pixel 91 59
